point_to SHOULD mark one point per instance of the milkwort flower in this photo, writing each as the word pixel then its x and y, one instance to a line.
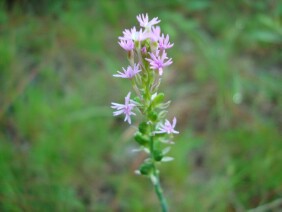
pixel 155 33
pixel 157 61
pixel 144 21
pixel 134 35
pixel 130 72
pixel 167 127
pixel 125 108
pixel 127 45
pixel 164 42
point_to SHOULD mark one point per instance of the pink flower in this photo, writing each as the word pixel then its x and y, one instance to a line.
pixel 167 127
pixel 129 72
pixel 127 45
pixel 158 61
pixel 134 35
pixel 144 21
pixel 155 33
pixel 125 108
pixel 164 42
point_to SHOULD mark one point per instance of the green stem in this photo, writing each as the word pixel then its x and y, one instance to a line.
pixel 156 180
pixel 159 191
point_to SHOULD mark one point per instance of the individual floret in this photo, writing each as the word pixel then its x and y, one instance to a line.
pixel 144 21
pixel 167 127
pixel 158 62
pixel 127 45
pixel 125 108
pixel 134 35
pixel 164 42
pixel 155 33
pixel 130 72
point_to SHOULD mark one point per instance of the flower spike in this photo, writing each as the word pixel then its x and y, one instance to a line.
pixel 146 51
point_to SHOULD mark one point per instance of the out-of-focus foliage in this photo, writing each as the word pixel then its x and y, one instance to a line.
pixel 60 147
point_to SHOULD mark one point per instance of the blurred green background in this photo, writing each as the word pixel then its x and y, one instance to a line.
pixel 60 147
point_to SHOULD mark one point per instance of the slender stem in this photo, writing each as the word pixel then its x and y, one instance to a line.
pixel 156 180
pixel 159 191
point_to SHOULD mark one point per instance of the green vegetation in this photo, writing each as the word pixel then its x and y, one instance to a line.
pixel 60 147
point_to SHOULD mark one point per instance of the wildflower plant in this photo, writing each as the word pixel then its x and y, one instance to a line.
pixel 146 51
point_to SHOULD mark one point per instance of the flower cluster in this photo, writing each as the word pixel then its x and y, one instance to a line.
pixel 146 49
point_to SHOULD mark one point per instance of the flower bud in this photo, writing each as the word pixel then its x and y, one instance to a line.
pixel 143 127
pixel 153 116
pixel 141 139
pixel 158 155
pixel 146 168
pixel 130 57
pixel 158 99
pixel 154 46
